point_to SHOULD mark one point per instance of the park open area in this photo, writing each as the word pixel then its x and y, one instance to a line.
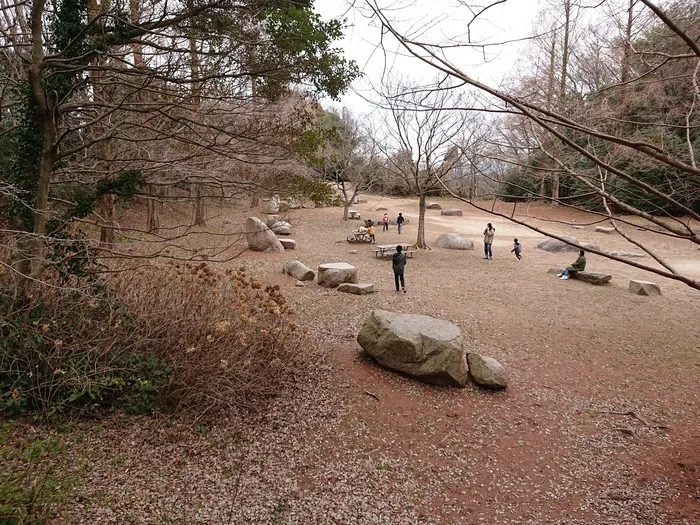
pixel 598 424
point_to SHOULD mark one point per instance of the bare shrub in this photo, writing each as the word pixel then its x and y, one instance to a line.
pixel 228 340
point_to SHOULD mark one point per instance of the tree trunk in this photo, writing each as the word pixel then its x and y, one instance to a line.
pixel 420 242
pixel 152 216
pixel 346 209
pixel 199 207
pixel 255 201
pixel 562 87
pixel 108 213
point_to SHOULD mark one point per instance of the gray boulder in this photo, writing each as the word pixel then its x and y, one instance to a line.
pixel 423 347
pixel 284 207
pixel 298 270
pixel 622 253
pixel 644 288
pixel 382 208
pixel 282 228
pixel 273 205
pixel 272 219
pixel 557 246
pixel 332 275
pixel 289 244
pixel 454 241
pixel 451 212
pixel 588 277
pixel 486 371
pixel 260 238
pixel 433 206
pixel 356 288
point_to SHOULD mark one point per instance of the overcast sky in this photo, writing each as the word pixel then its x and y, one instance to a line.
pixel 443 20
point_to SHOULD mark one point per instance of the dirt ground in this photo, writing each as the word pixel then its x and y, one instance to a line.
pixel 600 422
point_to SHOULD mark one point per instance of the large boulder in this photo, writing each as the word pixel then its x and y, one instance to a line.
pixel 289 244
pixel 433 206
pixel 557 246
pixel 261 238
pixel 486 371
pixel 282 228
pixel 589 277
pixel 331 275
pixel 451 212
pixel 423 347
pixel 356 288
pixel 298 270
pixel 644 288
pixel 454 241
pixel 273 205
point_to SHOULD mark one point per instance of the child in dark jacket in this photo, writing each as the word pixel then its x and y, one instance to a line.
pixel 398 263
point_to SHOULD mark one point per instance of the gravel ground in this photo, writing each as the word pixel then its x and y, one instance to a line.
pixel 599 423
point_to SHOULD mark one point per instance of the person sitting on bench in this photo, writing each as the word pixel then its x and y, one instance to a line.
pixel 578 266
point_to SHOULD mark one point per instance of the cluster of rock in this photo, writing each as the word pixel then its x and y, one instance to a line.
pixel 262 236
pixel 428 349
pixel 277 205
pixel 342 276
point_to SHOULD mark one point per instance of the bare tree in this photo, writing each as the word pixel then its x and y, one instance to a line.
pixel 421 137
pixel 605 153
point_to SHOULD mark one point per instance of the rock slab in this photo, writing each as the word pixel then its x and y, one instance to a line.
pixel 454 241
pixel 356 288
pixel 486 371
pixel 604 229
pixel 644 288
pixel 589 277
pixel 260 238
pixel 289 244
pixel 451 212
pixel 332 275
pixel 557 246
pixel 426 348
pixel 298 270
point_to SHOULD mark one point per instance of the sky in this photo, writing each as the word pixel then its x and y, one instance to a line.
pixel 436 21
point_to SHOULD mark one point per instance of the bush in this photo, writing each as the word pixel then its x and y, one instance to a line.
pixel 179 336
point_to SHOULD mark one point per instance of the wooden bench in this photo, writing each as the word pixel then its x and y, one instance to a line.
pixel 588 277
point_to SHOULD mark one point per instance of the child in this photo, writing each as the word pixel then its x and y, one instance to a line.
pixel 385 221
pixel 517 249
pixel 398 262
pixel 370 232
pixel 399 222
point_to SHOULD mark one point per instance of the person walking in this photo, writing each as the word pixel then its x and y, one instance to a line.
pixel 398 263
pixel 578 266
pixel 370 232
pixel 385 222
pixel 488 241
pixel 399 222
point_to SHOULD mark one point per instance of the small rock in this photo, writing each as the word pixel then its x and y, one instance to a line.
pixel 578 227
pixel 281 228
pixel 353 252
pixel 486 371
pixel 644 288
pixel 356 288
pixel 289 244
pixel 298 270
pixel 604 229
pixel 451 212
pixel 299 284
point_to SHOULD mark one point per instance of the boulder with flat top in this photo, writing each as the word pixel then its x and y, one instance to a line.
pixel 644 288
pixel 331 275
pixel 451 212
pixel 588 277
pixel 356 288
pixel 424 347
pixel 557 246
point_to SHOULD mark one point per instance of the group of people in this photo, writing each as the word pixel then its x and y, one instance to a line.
pixel 399 258
pixel 369 226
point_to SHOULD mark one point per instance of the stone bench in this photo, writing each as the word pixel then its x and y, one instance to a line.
pixel 588 277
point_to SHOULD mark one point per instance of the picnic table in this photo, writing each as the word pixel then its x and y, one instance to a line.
pixel 380 250
pixel 359 236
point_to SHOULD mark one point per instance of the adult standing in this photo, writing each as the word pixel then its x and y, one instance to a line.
pixel 399 222
pixel 488 241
